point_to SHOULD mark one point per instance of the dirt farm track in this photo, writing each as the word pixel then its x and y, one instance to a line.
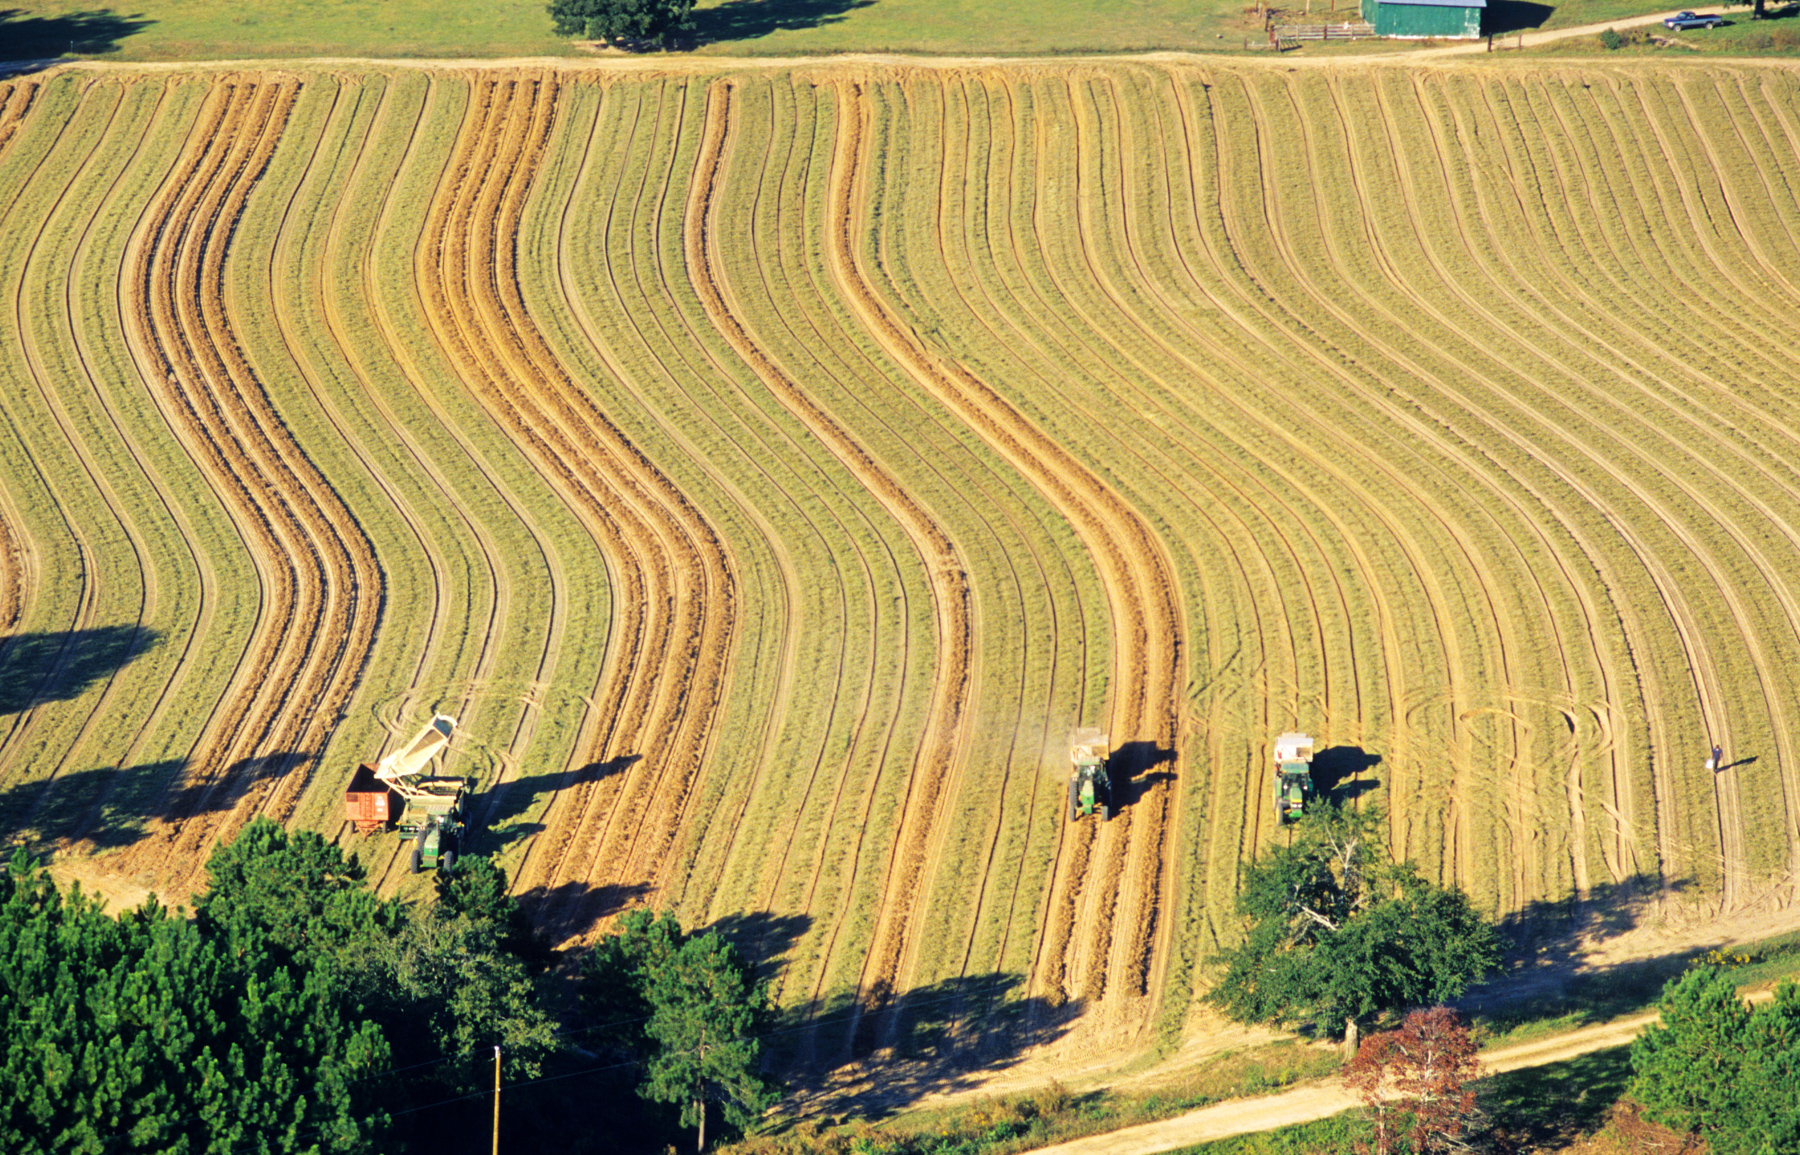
pixel 770 466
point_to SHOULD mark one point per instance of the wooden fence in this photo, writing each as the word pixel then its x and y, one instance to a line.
pixel 1322 32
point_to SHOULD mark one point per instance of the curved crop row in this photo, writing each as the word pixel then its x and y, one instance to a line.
pixel 771 468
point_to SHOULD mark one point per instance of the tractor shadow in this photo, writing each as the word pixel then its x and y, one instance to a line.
pixel 40 39
pixel 58 667
pixel 1338 771
pixel 500 812
pixel 874 1059
pixel 1132 769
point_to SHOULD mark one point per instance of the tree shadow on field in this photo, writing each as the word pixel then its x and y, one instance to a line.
pixel 1338 771
pixel 1551 1107
pixel 1503 16
pixel 28 37
pixel 575 908
pixel 751 19
pixel 1132 770
pixel 1544 970
pixel 874 1058
pixel 762 937
pixel 108 806
pixel 56 667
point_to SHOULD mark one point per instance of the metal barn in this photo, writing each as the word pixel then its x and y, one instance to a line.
pixel 1451 19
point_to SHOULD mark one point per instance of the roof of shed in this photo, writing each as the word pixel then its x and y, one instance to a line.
pixel 1437 3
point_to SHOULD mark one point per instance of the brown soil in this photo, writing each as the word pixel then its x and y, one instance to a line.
pixel 1124 885
pixel 320 584
pixel 674 608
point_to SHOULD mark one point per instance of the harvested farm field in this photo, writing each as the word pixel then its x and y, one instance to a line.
pixel 771 466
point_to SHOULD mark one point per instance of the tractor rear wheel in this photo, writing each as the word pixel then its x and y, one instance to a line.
pixel 447 861
pixel 418 859
pixel 1074 804
pixel 1105 812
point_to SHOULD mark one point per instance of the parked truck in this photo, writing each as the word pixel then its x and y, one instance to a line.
pixel 1682 21
pixel 397 793
pixel 1090 788
pixel 1294 789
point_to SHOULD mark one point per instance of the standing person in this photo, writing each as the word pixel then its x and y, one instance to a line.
pixel 1717 762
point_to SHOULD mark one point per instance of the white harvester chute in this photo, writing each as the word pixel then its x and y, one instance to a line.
pixel 403 767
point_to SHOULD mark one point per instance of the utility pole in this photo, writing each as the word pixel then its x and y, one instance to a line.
pixel 496 1099
pixel 700 1088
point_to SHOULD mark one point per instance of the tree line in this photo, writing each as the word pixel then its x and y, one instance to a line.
pixel 298 1011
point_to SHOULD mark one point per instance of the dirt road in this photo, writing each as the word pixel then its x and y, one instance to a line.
pixel 1324 1099
pixel 1534 39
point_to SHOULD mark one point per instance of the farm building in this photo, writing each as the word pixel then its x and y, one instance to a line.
pixel 1449 18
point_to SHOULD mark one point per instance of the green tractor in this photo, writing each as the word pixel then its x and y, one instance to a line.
pixel 1294 790
pixel 1090 790
pixel 431 810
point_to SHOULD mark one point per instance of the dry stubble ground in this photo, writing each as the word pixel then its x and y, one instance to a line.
pixel 772 465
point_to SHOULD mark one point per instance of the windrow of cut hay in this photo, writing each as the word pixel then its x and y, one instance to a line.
pixel 771 468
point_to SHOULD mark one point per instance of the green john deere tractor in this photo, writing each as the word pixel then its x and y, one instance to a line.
pixel 1090 790
pixel 1294 790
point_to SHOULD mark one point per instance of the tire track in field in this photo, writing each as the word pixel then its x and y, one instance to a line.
pixel 1689 630
pixel 1146 619
pixel 674 617
pixel 1703 462
pixel 1478 561
pixel 676 369
pixel 325 304
pixel 409 411
pixel 1686 174
pixel 181 541
pixel 998 161
pixel 696 362
pixel 1590 614
pixel 322 590
pixel 1029 326
pixel 976 493
pixel 937 767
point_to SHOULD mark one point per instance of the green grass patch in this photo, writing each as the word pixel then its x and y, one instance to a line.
pixel 1052 1114
pixel 207 30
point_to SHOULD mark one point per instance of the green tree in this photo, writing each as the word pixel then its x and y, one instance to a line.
pixel 1337 933
pixel 144 1034
pixel 1716 1068
pixel 692 1011
pixel 615 978
pixel 706 1015
pixel 478 888
pixel 658 21
pixel 294 892
pixel 446 989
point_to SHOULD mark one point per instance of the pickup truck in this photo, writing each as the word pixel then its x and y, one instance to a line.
pixel 1682 21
